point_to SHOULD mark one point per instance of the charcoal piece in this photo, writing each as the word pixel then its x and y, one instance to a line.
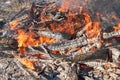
pixel 2 23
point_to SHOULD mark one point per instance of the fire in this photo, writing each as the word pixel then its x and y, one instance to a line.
pixel 14 25
pixel 87 18
pixel 76 17
pixel 72 24
pixel 26 39
pixel 30 38
pixel 116 28
pixel 26 62
pixel 70 5
pixel 93 29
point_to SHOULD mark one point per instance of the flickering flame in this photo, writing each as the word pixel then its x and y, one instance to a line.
pixel 75 18
pixel 26 39
pixel 26 62
pixel 93 29
pixel 30 38
pixel 14 25
pixel 72 23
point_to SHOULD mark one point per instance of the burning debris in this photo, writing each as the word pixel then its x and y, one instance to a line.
pixel 57 39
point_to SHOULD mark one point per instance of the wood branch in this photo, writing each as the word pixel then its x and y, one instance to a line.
pixel 111 34
pixel 9 42
pixel 78 42
pixel 57 35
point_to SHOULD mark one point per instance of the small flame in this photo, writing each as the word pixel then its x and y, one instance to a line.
pixel 14 25
pixel 116 28
pixel 26 62
pixel 93 29
pixel 26 39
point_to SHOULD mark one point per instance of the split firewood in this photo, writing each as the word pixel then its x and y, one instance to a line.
pixel 57 35
pixel 78 42
pixel 115 54
pixel 111 34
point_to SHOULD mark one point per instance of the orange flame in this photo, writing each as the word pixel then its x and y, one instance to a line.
pixel 38 55
pixel 14 25
pixel 26 62
pixel 93 29
pixel 75 18
pixel 30 38
pixel 116 28
pixel 26 39
pixel 72 24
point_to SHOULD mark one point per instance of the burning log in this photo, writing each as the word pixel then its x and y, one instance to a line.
pixel 64 32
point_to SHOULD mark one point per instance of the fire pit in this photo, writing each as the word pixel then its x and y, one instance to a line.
pixel 60 40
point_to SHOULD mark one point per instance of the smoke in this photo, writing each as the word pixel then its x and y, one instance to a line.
pixel 71 5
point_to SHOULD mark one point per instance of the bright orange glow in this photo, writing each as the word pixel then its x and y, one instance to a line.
pixel 87 18
pixel 75 18
pixel 93 29
pixel 116 28
pixel 14 25
pixel 26 39
pixel 26 62
pixel 22 50
pixel 71 24
pixel 30 38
